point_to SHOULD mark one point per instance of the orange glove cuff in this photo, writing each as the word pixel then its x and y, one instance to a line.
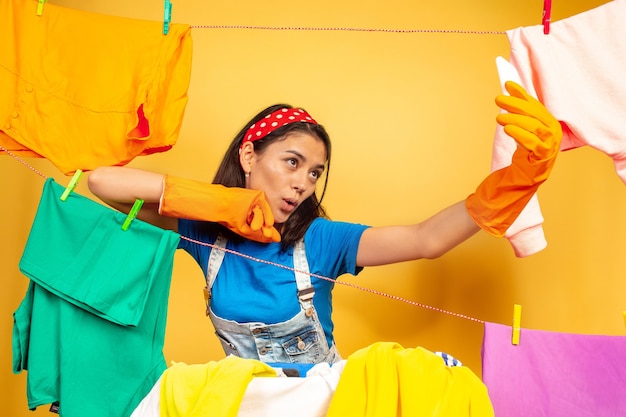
pixel 244 211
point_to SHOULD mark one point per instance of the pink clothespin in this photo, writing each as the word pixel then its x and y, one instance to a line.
pixel 547 12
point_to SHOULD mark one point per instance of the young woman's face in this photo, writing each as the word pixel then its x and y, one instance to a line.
pixel 288 171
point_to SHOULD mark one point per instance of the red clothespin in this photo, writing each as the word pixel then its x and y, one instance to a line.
pixel 547 12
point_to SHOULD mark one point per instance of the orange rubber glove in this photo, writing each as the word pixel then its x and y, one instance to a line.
pixel 501 197
pixel 241 210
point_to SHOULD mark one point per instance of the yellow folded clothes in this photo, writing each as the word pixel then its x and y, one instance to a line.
pixel 213 389
pixel 84 89
pixel 386 380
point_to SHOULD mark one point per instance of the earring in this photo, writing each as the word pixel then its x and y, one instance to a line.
pixel 247 175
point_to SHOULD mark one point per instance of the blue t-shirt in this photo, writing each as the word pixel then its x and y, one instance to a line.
pixel 247 290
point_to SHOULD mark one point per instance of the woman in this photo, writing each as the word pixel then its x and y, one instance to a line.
pixel 274 303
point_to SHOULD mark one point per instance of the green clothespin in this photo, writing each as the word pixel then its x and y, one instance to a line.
pixel 167 16
pixel 70 187
pixel 40 7
pixel 132 214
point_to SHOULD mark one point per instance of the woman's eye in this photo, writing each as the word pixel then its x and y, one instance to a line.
pixel 292 161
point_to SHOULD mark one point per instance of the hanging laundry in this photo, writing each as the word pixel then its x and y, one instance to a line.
pixel 577 73
pixel 385 379
pixel 84 89
pixel 554 374
pixel 91 328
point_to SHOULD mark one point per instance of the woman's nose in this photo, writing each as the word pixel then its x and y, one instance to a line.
pixel 299 182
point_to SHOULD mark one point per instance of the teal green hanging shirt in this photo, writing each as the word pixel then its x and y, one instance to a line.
pixel 91 328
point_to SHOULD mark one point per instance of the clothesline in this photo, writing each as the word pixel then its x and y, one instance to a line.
pixel 365 289
pixel 372 291
pixel 351 29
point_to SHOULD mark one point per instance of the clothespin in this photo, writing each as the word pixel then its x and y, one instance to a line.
pixel 547 12
pixel 624 314
pixel 40 7
pixel 132 214
pixel 517 319
pixel 70 187
pixel 167 16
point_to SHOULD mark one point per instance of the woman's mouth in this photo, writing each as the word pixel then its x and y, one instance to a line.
pixel 289 205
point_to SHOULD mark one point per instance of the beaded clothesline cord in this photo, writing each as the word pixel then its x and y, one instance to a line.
pixel 350 29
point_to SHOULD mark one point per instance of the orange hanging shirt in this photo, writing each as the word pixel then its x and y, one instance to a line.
pixel 84 89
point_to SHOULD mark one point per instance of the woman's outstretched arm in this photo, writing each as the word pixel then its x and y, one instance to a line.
pixel 119 187
pixel 428 239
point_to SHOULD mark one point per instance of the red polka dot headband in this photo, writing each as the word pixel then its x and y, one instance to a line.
pixel 273 121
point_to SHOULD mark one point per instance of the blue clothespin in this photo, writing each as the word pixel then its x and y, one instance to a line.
pixel 70 187
pixel 132 214
pixel 547 12
pixel 40 7
pixel 167 16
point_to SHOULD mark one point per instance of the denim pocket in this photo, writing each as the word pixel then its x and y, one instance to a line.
pixel 303 347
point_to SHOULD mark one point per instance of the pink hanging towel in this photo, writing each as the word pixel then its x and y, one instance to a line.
pixel 554 374
pixel 577 72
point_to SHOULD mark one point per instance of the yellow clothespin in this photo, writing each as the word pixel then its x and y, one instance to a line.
pixel 40 7
pixel 517 319
pixel 624 314
pixel 132 214
pixel 167 16
pixel 70 187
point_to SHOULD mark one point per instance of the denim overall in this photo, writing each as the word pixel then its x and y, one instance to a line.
pixel 300 339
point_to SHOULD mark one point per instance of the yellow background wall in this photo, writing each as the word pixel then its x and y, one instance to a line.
pixel 412 119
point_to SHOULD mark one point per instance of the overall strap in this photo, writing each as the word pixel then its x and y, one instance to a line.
pixel 215 261
pixel 303 278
